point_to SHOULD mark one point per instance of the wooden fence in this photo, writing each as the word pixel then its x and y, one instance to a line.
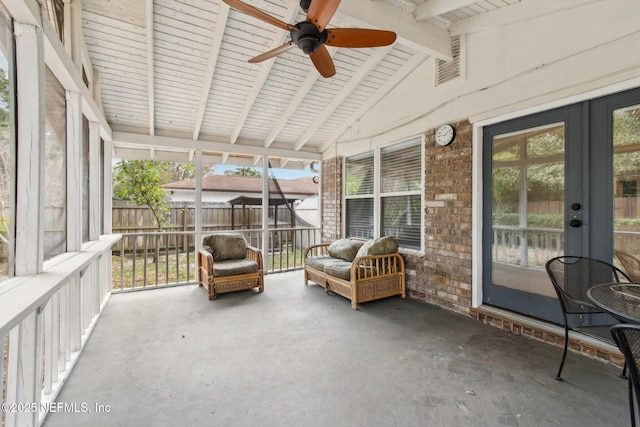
pixel 128 219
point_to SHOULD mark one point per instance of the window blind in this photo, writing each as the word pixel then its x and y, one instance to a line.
pixel 400 167
pixel 359 218
pixel 359 175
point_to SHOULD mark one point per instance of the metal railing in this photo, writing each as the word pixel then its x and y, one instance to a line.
pixel 151 260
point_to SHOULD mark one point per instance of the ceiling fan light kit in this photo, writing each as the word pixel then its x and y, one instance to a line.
pixel 311 35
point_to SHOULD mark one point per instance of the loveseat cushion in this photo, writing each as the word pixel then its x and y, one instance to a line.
pixel 380 246
pixel 340 269
pixel 320 262
pixel 234 267
pixel 345 249
pixel 227 246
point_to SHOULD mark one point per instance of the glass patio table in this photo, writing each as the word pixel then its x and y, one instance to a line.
pixel 621 300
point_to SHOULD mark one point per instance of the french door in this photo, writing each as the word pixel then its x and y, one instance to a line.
pixel 563 181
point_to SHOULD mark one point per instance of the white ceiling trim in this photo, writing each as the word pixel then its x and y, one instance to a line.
pixel 221 146
pixel 330 108
pixel 518 12
pixel 431 8
pixel 421 36
pixel 280 37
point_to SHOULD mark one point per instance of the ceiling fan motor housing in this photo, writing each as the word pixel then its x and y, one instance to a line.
pixel 306 36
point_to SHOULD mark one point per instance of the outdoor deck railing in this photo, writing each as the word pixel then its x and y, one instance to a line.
pixel 151 260
pixel 544 243
pixel 541 244
pixel 45 320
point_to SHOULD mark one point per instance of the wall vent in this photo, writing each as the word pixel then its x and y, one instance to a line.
pixel 449 70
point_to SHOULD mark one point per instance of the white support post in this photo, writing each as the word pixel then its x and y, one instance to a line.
pixel 265 210
pixel 75 314
pixel 74 171
pixel 198 213
pixel 76 33
pixel 94 181
pixel 48 348
pixel 55 338
pixel 65 329
pixel 31 136
pixel 108 186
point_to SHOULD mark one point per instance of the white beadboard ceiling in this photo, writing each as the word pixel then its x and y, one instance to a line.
pixel 174 76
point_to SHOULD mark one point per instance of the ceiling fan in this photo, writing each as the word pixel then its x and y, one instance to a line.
pixel 311 35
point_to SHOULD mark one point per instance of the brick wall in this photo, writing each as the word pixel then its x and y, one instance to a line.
pixel 441 275
pixel 331 199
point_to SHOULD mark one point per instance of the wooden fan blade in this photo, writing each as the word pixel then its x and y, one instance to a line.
pixel 274 52
pixel 258 14
pixel 321 11
pixel 359 37
pixel 323 62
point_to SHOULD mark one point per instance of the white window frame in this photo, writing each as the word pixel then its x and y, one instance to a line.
pixel 378 195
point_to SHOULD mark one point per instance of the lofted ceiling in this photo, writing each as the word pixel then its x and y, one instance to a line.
pixel 178 69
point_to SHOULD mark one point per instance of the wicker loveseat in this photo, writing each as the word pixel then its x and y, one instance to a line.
pixel 358 270
pixel 227 264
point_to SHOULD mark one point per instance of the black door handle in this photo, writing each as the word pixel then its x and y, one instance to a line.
pixel 575 222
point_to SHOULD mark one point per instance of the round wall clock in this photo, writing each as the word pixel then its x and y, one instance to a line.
pixel 444 135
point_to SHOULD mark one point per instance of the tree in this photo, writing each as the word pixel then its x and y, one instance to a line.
pixel 244 171
pixel 140 182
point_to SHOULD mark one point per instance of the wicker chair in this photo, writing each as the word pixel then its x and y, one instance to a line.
pixel 227 264
pixel 630 264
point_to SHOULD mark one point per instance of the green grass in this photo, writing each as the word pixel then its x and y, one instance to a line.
pixel 166 272
pixel 163 272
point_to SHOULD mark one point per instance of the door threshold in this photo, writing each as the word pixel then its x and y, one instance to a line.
pixel 540 329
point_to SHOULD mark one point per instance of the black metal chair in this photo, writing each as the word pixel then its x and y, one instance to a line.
pixel 571 277
pixel 627 338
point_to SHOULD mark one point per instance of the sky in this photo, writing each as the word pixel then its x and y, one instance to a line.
pixel 279 173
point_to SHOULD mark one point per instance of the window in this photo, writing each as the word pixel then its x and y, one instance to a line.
pixel 399 193
pixel 55 210
pixel 55 12
pixel 359 186
pixel 7 147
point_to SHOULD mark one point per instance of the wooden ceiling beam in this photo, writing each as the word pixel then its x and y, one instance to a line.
pixel 221 24
pixel 295 102
pixel 421 36
pixel 344 93
pixel 291 12
pixel 150 71
pixel 406 69
pixel 432 8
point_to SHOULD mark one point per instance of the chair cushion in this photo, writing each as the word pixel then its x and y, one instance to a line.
pixel 234 267
pixel 340 269
pixel 227 246
pixel 380 246
pixel 345 249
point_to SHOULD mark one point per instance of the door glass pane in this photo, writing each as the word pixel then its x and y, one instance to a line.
pixel 527 206
pixel 626 177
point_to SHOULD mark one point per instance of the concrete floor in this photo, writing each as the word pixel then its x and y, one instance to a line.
pixel 293 356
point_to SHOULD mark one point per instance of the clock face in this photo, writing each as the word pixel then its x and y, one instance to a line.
pixel 444 135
